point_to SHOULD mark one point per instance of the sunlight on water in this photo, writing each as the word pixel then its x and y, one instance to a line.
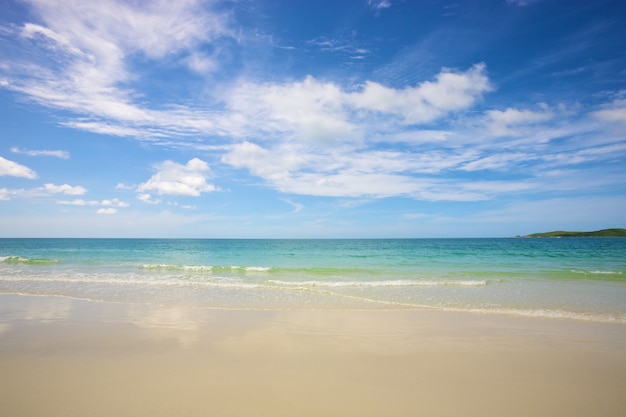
pixel 561 278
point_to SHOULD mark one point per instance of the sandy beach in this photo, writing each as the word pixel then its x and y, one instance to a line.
pixel 64 357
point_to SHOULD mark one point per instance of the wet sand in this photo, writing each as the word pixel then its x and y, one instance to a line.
pixel 63 357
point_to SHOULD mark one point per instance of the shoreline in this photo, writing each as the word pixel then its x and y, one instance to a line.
pixel 63 357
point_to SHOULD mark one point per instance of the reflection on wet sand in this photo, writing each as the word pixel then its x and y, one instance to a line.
pixel 63 357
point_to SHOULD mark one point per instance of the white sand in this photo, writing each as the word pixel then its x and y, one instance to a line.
pixel 61 357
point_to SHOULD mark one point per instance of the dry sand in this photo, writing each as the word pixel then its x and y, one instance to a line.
pixel 61 357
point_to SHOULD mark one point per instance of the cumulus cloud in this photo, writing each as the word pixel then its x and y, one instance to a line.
pixel 177 179
pixel 147 198
pixel 319 111
pixel 64 189
pixel 13 169
pixel 430 100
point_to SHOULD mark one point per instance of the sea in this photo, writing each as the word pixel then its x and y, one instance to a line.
pixel 566 278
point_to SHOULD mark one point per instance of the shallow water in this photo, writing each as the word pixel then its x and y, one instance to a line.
pixel 576 278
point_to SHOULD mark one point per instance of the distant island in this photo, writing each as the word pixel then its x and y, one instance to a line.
pixel 597 233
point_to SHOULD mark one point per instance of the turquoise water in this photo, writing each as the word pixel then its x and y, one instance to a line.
pixel 574 278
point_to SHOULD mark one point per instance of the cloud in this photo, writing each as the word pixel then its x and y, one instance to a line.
pixel 107 211
pixel 430 100
pixel 90 67
pixel 147 198
pixel 510 122
pixel 496 162
pixel 379 4
pixel 13 169
pixel 64 189
pixel 177 179
pixel 364 173
pixel 6 194
pixel 615 112
pixel 56 154
pixel 318 111
pixel 297 207
pixel 522 3
pixel 80 202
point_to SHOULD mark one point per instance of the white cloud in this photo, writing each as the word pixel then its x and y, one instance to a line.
pixel 297 207
pixel 379 4
pixel 93 43
pixel 80 202
pixel 307 110
pixel 13 169
pixel 496 161
pixel 122 186
pixel 178 179
pixel 64 189
pixel 114 202
pixel 317 111
pixel 106 211
pixel 5 194
pixel 430 100
pixel 510 122
pixel 616 112
pixel 147 198
pixel 57 154
pixel 522 3
pixel 367 173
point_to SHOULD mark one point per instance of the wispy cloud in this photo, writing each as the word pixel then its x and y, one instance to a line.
pixel 297 207
pixel 13 169
pixel 107 203
pixel 31 152
pixel 614 112
pixel 379 4
pixel 423 137
pixel 107 211
pixel 92 60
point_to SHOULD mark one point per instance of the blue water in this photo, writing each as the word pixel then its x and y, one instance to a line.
pixel 572 278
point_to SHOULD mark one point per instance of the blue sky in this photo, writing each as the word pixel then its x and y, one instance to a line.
pixel 360 118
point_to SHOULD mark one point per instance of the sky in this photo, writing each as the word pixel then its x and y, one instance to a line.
pixel 311 119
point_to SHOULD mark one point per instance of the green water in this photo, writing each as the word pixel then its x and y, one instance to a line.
pixel 573 278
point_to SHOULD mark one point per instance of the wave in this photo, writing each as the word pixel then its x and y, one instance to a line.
pixel 133 281
pixel 20 260
pixel 546 314
pixel 393 283
pixel 575 271
pixel 205 268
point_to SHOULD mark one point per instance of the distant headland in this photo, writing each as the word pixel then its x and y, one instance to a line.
pixel 597 233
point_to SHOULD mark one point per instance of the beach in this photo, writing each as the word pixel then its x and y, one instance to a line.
pixel 65 357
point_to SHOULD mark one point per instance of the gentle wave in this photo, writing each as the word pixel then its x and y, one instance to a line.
pixel 546 314
pixel 394 283
pixel 137 282
pixel 596 272
pixel 205 268
pixel 20 260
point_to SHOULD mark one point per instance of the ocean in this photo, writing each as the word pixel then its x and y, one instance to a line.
pixel 567 278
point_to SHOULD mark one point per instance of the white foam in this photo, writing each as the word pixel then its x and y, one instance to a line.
pixel 173 267
pixel 597 272
pixel 392 283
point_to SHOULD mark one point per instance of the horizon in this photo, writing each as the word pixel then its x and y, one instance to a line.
pixel 365 119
